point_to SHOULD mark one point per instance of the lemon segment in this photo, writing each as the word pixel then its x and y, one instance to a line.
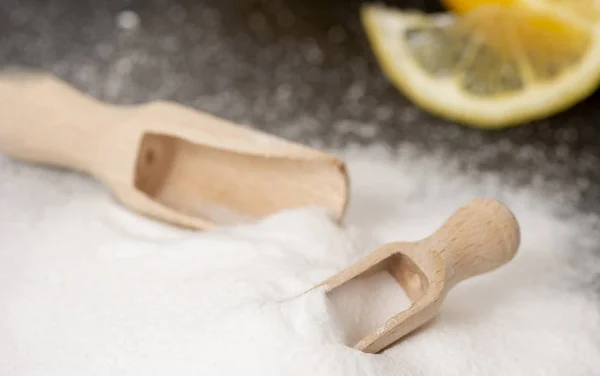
pixel 494 67
pixel 580 12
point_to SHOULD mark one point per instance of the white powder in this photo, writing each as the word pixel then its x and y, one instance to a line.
pixel 364 303
pixel 88 288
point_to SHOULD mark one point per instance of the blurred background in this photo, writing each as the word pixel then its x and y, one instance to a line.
pixel 299 69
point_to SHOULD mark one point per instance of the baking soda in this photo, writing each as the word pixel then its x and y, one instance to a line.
pixel 90 288
pixel 361 305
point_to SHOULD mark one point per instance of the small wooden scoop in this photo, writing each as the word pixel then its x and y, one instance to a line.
pixel 477 238
pixel 165 160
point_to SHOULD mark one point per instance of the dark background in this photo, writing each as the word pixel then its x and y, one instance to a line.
pixel 298 68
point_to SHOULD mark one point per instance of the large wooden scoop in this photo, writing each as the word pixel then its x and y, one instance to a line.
pixel 164 160
pixel 477 238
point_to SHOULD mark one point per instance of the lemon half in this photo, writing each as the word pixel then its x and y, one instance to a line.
pixel 494 66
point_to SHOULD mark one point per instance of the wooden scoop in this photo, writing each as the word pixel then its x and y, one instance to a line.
pixel 165 160
pixel 476 239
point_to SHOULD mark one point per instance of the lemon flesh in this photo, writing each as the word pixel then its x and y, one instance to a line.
pixel 493 67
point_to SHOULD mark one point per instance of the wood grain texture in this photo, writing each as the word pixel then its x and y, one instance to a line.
pixel 165 160
pixel 479 237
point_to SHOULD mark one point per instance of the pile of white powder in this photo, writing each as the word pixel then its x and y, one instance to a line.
pixel 88 288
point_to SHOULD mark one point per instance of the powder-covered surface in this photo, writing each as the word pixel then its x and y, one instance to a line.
pixel 98 291
pixel 88 288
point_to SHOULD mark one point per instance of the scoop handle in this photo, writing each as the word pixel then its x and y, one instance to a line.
pixel 48 122
pixel 478 238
